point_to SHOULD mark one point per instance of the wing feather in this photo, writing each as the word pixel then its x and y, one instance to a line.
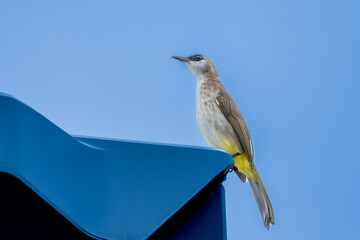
pixel 233 115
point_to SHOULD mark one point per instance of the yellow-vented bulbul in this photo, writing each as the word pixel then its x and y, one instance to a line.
pixel 223 126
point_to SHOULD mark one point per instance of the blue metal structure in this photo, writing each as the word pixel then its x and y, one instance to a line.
pixel 109 189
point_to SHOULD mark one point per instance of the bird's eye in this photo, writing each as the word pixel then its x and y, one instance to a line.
pixel 198 58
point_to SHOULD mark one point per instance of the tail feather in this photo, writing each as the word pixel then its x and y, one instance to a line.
pixel 241 176
pixel 263 201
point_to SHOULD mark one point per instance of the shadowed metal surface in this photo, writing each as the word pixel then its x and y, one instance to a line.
pixel 110 189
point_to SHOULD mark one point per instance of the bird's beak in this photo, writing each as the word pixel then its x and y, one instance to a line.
pixel 181 59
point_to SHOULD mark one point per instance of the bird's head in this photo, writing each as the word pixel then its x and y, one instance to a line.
pixel 199 65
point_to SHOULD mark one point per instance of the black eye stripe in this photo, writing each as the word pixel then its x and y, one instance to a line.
pixel 196 57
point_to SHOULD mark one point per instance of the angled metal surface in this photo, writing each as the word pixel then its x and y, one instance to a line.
pixel 111 189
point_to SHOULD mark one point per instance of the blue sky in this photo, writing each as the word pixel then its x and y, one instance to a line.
pixel 103 68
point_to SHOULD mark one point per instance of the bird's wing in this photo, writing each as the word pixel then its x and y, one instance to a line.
pixel 236 120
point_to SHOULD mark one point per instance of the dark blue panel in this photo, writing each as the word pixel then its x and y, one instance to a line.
pixel 108 188
pixel 202 218
pixel 25 215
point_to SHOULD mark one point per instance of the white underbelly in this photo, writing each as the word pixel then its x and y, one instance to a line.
pixel 212 125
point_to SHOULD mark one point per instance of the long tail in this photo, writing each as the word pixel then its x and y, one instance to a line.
pixel 263 201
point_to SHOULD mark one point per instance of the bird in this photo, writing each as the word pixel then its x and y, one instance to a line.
pixel 223 127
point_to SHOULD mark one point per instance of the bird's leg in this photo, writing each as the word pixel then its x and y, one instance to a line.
pixel 233 167
pixel 236 154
